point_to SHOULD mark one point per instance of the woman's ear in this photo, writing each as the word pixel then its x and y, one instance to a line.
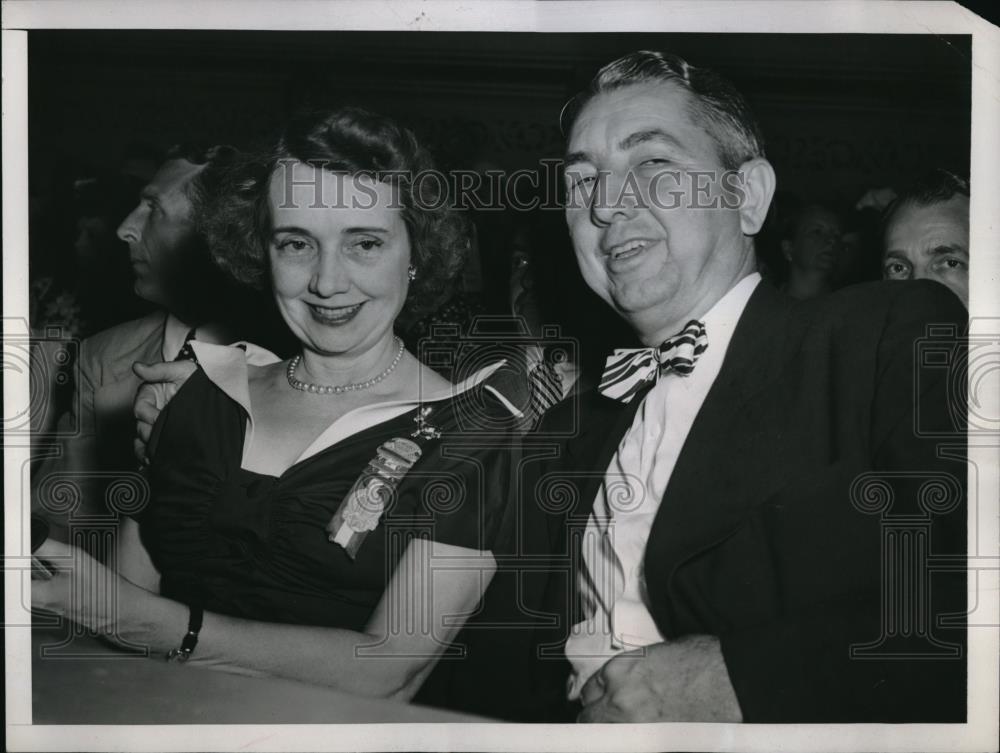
pixel 758 189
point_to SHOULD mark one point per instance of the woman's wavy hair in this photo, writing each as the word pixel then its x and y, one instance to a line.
pixel 352 141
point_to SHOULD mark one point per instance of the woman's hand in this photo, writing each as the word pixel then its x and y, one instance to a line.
pixel 82 589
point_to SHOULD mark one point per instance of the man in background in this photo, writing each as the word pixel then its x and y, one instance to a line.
pixel 927 233
pixel 173 270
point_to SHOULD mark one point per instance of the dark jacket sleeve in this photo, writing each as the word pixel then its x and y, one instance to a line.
pixel 878 647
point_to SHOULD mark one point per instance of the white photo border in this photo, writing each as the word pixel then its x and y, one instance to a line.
pixel 878 17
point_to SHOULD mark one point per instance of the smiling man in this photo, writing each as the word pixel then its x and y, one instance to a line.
pixel 927 233
pixel 729 568
pixel 734 483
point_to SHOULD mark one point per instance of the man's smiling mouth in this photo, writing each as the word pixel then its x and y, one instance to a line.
pixel 628 250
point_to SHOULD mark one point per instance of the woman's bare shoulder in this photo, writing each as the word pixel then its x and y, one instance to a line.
pixel 431 381
pixel 259 375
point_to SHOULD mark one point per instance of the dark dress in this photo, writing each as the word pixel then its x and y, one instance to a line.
pixel 254 546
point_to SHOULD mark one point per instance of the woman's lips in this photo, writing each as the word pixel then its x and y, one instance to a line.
pixel 334 314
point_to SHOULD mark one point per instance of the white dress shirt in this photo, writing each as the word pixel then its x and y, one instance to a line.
pixel 612 583
pixel 175 333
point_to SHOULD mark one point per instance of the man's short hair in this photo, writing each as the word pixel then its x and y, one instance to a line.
pixel 934 187
pixel 717 104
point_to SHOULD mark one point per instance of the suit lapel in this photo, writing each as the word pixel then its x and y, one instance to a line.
pixel 722 469
pixel 603 423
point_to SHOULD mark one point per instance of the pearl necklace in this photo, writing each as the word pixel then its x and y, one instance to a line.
pixel 339 389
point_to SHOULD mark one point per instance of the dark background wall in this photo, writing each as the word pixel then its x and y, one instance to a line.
pixel 840 112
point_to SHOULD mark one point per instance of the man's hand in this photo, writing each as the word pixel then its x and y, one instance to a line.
pixel 681 681
pixel 162 380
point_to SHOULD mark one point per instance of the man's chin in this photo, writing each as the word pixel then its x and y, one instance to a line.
pixel 148 292
pixel 640 295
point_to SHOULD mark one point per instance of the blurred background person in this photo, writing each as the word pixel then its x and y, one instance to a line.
pixel 103 271
pixel 173 271
pixel 812 245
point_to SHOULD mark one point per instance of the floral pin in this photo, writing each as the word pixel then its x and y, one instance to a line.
pixel 424 429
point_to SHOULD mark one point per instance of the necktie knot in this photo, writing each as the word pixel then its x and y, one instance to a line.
pixel 628 371
pixel 186 352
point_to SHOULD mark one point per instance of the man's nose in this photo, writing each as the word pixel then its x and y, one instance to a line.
pixel 329 275
pixel 615 198
pixel 130 230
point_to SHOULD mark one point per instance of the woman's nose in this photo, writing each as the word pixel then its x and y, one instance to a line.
pixel 329 276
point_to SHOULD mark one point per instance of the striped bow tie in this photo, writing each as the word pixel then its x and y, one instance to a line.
pixel 628 371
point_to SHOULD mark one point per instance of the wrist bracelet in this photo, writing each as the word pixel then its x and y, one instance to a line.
pixel 190 639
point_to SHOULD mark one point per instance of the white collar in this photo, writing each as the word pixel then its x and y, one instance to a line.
pixel 175 332
pixel 369 415
pixel 226 367
pixel 720 320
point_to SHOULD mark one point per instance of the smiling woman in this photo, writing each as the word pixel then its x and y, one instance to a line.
pixel 339 284
pixel 362 158
pixel 326 518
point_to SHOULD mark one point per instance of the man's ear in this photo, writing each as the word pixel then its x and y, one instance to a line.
pixel 758 189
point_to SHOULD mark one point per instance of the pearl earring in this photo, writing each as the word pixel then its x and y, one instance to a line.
pixel 411 273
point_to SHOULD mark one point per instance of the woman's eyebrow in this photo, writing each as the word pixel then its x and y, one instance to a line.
pixel 290 229
pixel 366 229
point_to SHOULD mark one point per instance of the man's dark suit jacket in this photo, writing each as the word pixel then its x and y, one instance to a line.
pixel 770 534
